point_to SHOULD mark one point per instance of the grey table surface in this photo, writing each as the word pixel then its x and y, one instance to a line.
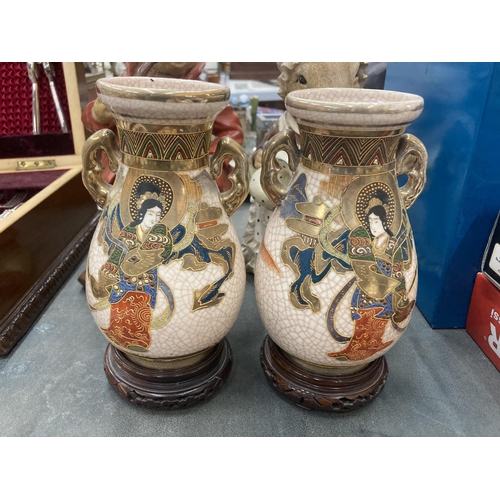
pixel 53 384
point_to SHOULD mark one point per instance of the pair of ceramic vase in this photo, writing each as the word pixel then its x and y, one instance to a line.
pixel 336 276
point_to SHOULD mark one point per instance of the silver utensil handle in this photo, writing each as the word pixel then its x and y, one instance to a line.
pixel 5 213
pixel 35 102
pixel 51 74
pixel 57 104
pixel 35 109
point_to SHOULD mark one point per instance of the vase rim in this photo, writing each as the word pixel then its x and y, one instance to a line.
pixel 354 106
pixel 166 101
pixel 171 90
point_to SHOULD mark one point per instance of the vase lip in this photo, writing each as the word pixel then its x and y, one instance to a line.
pixel 171 90
pixel 167 101
pixel 354 106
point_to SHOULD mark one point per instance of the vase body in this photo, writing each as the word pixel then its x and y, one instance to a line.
pixel 165 275
pixel 336 274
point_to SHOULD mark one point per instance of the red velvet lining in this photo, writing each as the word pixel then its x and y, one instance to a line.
pixel 15 100
pixel 30 179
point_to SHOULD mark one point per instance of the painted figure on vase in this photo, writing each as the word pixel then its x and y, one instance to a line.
pixel 371 258
pixel 129 281
pixel 130 275
pixel 379 259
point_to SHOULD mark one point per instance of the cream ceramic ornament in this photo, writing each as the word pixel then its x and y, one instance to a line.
pixel 165 276
pixel 336 275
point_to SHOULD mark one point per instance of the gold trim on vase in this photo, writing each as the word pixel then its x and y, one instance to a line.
pixel 336 150
pixel 329 169
pixel 158 128
pixel 169 363
pixel 164 165
pixel 349 133
pixel 201 92
pixel 327 369
pixel 161 151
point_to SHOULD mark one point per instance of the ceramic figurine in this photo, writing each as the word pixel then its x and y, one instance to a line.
pixel 293 76
pixel 336 275
pixel 165 275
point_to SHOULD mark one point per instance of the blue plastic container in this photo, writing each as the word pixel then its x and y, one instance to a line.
pixel 453 217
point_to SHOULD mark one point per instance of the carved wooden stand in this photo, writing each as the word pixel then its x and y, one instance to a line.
pixel 168 389
pixel 316 391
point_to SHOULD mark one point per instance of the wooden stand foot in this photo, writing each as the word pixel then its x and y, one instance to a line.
pixel 168 389
pixel 317 391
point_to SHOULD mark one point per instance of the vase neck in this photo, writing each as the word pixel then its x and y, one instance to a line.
pixel 348 151
pixel 164 147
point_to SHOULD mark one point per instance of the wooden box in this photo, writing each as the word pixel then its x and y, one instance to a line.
pixel 43 240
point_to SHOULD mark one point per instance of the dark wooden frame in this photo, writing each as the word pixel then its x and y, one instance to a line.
pixel 46 238
pixel 42 257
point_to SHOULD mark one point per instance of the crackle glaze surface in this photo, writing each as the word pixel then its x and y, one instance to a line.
pixel 189 295
pixel 165 276
pixel 162 100
pixel 336 274
pixel 311 302
pixel 364 108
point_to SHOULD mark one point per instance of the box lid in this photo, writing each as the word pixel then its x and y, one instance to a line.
pixel 73 98
pixel 54 170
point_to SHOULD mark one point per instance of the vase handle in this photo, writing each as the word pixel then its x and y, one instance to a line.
pixel 411 159
pixel 271 167
pixel 102 140
pixel 235 196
